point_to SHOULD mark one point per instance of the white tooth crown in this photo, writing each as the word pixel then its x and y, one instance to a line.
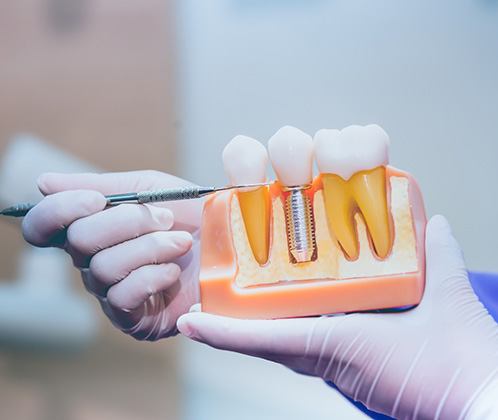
pixel 350 150
pixel 291 154
pixel 245 160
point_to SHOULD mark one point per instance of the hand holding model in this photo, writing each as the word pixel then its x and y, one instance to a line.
pixel 433 361
pixel 139 261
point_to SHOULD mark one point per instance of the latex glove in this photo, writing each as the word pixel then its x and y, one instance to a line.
pixel 140 261
pixel 429 362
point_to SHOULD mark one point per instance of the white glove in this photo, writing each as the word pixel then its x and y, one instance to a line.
pixel 140 261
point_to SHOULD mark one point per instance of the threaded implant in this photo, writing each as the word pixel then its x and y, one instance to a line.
pixel 300 225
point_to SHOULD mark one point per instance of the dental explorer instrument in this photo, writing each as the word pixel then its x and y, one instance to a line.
pixel 143 197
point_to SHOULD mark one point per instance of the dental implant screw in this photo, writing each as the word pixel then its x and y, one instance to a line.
pixel 300 225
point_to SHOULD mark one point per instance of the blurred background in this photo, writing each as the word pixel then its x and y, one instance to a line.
pixel 162 84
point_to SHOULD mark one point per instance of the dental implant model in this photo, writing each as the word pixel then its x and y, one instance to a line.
pixel 292 145
pixel 350 239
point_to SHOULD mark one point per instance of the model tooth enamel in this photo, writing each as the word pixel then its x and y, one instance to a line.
pixel 245 161
pixel 291 154
pixel 352 163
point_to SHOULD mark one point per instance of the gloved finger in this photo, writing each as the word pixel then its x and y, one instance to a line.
pixel 127 297
pixel 246 336
pixel 89 235
pixel 108 183
pixel 45 225
pixel 444 259
pixel 272 339
pixel 112 265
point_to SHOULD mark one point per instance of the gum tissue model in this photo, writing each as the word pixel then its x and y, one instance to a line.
pixel 350 239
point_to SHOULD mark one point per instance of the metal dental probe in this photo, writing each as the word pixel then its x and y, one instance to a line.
pixel 143 197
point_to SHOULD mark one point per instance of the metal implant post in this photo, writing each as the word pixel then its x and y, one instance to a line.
pixel 300 225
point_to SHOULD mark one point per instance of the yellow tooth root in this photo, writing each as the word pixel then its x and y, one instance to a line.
pixel 339 207
pixel 255 208
pixel 369 190
pixel 366 192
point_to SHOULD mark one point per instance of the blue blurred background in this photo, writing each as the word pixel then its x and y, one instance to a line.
pixel 121 85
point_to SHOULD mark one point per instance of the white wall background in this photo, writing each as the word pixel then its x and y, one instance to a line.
pixel 427 71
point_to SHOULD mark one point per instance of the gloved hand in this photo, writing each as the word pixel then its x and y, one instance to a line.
pixel 429 362
pixel 140 261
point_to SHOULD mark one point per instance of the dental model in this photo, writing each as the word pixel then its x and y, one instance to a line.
pixel 351 239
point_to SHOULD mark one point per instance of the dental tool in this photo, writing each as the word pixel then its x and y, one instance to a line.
pixel 144 197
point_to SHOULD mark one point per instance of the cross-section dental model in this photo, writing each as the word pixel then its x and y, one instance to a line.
pixel 350 239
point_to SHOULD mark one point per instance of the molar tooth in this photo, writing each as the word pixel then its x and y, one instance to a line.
pixel 245 160
pixel 352 162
